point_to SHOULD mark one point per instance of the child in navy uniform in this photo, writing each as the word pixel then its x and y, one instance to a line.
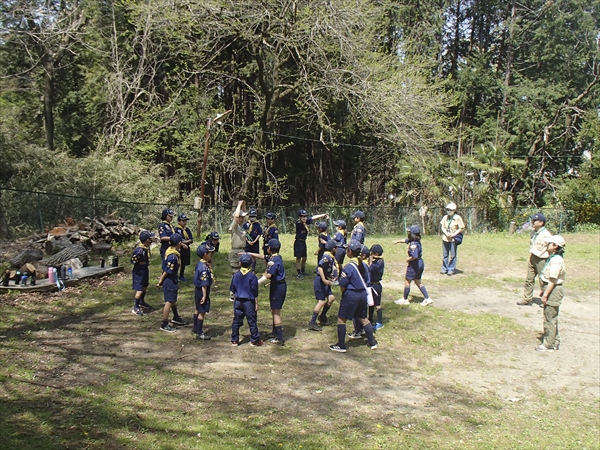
pixel 376 268
pixel 340 239
pixel 364 256
pixel 169 282
pixel 244 285
pixel 141 273
pixel 358 232
pixel 186 243
pixel 354 298
pixel 327 273
pixel 322 239
pixel 277 287
pixel 165 231
pixel 203 279
pixel 416 266
pixel 300 251
pixel 270 232
pixel 253 233
pixel 215 239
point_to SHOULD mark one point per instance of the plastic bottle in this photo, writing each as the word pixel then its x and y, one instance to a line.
pixel 63 272
pixel 24 279
pixel 33 279
pixel 102 262
pixel 5 278
pixel 70 273
pixel 17 278
pixel 51 275
pixel 115 261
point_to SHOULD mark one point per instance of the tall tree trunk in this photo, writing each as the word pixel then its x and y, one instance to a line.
pixel 509 58
pixel 48 101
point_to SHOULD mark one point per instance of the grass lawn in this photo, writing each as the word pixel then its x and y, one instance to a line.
pixel 78 370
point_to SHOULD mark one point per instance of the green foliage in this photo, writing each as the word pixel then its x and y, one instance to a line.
pixel 582 193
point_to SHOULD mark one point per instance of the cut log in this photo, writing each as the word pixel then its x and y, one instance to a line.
pixel 57 244
pixel 74 251
pixel 26 256
pixel 102 247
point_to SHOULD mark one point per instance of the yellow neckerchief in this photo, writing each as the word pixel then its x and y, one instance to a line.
pixel 184 233
pixel 245 270
pixel 377 257
pixel 353 259
pixel 273 255
pixel 166 223
pixel 172 251
pixel 140 245
pixel 205 262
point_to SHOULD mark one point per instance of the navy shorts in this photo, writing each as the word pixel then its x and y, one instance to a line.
pixel 277 294
pixel 185 257
pixel 170 290
pixel 255 248
pixel 322 291
pixel 141 277
pixel 299 249
pixel 353 304
pixel 377 297
pixel 415 269
pixel 205 307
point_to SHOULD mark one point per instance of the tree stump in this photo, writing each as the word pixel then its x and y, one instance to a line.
pixel 56 244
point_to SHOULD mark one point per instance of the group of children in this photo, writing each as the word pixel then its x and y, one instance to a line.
pixel 359 280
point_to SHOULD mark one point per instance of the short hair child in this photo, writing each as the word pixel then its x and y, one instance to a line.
pixel 327 273
pixel 186 243
pixel 253 233
pixel 169 282
pixel 376 269
pixel 165 230
pixel 300 251
pixel 358 232
pixel 140 273
pixel 244 285
pixel 215 239
pixel 203 279
pixel 340 239
pixel 322 239
pixel 416 266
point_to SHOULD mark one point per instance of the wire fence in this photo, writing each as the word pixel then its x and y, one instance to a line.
pixel 24 212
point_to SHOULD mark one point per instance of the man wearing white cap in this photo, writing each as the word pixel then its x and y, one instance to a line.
pixel 238 240
pixel 452 225
pixel 552 278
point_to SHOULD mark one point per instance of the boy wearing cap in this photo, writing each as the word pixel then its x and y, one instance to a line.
pixel 187 239
pixel 141 272
pixel 552 278
pixel 354 298
pixel 300 251
pixel 538 253
pixel 244 285
pixel 203 279
pixel 277 287
pixel 376 269
pixel 358 232
pixel 322 239
pixel 238 240
pixel 326 274
pixel 165 231
pixel 362 257
pixel 253 233
pixel 169 282
pixel 270 232
pixel 451 225
pixel 213 238
pixel 415 267
pixel 340 240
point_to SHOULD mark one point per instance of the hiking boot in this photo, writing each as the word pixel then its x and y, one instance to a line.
pixel 337 348
pixel 314 327
pixel 168 328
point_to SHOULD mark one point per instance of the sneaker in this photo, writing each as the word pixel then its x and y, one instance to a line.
pixel 178 321
pixel 276 341
pixel 257 343
pixel 203 337
pixel 145 305
pixel 314 327
pixel 168 328
pixel 323 320
pixel 234 343
pixel 426 302
pixel 523 303
pixel 300 276
pixel 137 312
pixel 337 348
pixel 184 279
pixel 543 348
pixel 355 335
pixel 373 346
pixel 377 326
pixel 401 301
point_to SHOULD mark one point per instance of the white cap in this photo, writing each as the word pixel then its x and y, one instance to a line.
pixel 451 206
pixel 556 239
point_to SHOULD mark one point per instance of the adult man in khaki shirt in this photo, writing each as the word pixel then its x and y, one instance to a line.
pixel 238 240
pixel 537 257
pixel 451 225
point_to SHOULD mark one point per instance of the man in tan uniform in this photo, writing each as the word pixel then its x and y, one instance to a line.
pixel 238 240
pixel 537 256
pixel 451 225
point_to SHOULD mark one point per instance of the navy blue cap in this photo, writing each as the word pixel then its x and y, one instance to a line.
pixel 202 250
pixel 214 235
pixel 302 212
pixel 182 216
pixel 539 216
pixel 359 214
pixel 354 246
pixel 330 244
pixel 415 229
pixel 145 235
pixel 274 244
pixel 322 226
pixel 270 215
pixel 252 213
pixel 168 212
pixel 245 259
pixel 364 250
pixel 377 249
pixel 339 223
pixel 175 238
